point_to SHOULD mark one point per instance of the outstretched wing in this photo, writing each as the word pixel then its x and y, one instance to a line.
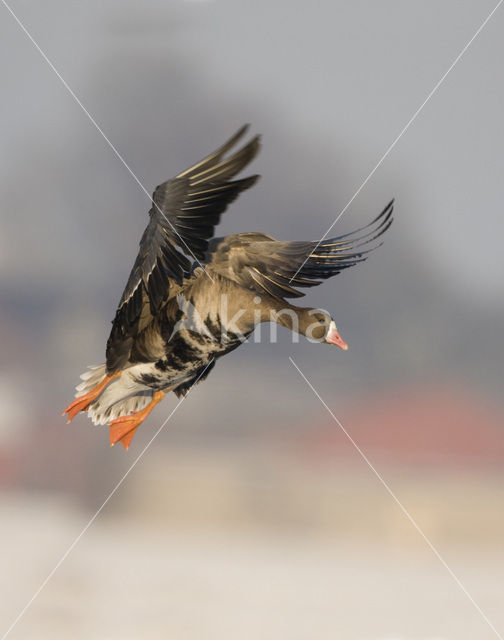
pixel 183 216
pixel 267 266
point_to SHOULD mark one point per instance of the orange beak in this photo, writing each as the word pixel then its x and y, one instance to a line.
pixel 333 337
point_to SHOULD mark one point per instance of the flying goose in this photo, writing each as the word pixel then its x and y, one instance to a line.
pixel 192 298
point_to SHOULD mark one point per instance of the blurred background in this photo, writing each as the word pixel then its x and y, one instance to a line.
pixel 252 515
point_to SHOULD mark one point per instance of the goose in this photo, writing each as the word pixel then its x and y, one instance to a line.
pixel 191 298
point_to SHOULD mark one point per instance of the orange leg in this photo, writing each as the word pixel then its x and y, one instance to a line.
pixel 82 402
pixel 123 429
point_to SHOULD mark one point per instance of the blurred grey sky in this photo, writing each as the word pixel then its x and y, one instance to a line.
pixel 329 87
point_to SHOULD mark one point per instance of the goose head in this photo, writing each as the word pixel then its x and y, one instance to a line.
pixel 322 328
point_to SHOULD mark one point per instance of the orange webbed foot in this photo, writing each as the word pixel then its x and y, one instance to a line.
pixel 79 404
pixel 82 402
pixel 123 429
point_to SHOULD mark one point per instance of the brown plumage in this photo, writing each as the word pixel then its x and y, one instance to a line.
pixel 192 298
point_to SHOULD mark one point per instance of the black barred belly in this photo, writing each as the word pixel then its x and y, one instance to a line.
pixel 187 355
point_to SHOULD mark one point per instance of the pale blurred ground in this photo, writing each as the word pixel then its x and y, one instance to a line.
pixel 198 547
pixel 252 516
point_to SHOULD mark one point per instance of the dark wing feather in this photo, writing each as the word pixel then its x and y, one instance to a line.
pixel 183 216
pixel 267 266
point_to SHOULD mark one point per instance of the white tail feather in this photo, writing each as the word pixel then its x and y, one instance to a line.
pixel 119 398
pixel 122 396
pixel 90 379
